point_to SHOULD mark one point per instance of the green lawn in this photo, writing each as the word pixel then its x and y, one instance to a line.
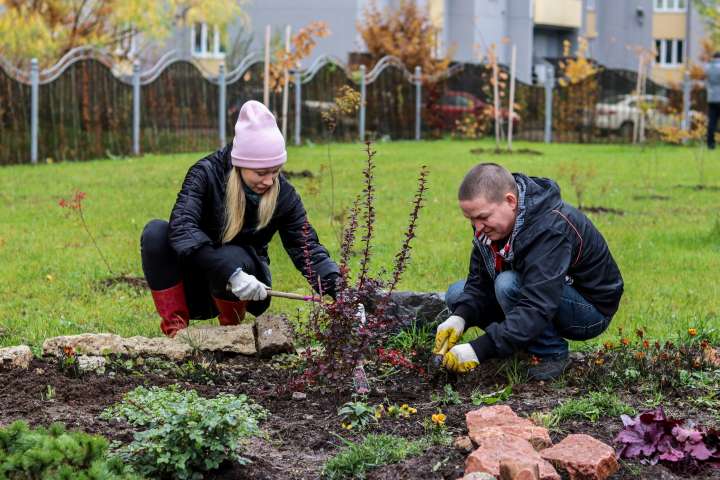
pixel 668 250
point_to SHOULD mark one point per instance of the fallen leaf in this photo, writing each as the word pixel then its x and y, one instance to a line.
pixel 49 277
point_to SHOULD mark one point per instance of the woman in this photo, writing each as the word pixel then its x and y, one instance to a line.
pixel 212 257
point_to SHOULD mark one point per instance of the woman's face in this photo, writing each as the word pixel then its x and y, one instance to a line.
pixel 259 180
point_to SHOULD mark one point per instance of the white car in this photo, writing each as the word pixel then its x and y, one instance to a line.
pixel 619 113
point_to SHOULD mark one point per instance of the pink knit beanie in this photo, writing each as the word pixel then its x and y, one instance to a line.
pixel 258 142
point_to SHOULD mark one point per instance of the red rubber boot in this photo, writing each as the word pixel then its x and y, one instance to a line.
pixel 172 307
pixel 231 312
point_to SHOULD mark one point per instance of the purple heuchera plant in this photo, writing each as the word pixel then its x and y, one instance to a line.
pixel 653 437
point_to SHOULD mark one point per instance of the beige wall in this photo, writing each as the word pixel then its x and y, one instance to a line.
pixel 667 75
pixel 591 25
pixel 668 25
pixel 559 13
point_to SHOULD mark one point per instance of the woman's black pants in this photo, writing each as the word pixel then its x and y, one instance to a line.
pixel 164 269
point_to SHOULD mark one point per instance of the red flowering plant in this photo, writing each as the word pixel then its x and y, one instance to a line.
pixel 75 205
pixel 350 328
pixel 652 437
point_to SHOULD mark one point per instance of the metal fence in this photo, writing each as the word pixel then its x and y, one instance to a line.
pixel 82 108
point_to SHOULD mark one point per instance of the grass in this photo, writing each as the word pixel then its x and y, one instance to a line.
pixel 356 459
pixel 50 280
pixel 591 407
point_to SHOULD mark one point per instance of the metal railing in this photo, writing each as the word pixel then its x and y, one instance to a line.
pixel 543 115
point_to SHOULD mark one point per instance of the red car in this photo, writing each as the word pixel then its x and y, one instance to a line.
pixel 454 105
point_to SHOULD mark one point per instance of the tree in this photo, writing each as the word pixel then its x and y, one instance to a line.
pixel 48 29
pixel 710 11
pixel 406 32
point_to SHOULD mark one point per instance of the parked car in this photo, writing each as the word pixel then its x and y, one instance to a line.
pixel 455 105
pixel 619 113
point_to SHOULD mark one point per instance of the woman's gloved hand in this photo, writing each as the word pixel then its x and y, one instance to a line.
pixel 460 359
pixel 246 287
pixel 448 332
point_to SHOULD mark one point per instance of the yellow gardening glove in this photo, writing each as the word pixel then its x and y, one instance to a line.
pixel 448 332
pixel 460 359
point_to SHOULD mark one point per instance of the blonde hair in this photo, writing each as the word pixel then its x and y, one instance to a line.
pixel 235 205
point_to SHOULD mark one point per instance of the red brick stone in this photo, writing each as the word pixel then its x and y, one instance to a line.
pixel 499 447
pixel 510 470
pixel 583 457
pixel 464 444
pixel 501 418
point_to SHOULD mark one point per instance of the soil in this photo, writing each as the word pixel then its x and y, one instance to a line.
pixel 651 197
pixel 701 187
pixel 603 210
pixel 303 434
pixel 138 283
pixel 505 151
pixel 289 174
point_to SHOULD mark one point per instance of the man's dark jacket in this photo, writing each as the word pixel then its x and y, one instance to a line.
pixel 198 217
pixel 555 240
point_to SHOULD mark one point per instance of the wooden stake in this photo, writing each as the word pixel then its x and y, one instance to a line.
pixel 511 108
pixel 288 29
pixel 266 80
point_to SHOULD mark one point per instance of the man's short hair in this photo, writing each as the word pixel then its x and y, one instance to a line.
pixel 716 54
pixel 488 180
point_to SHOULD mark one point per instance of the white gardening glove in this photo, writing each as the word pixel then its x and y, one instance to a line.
pixel 448 331
pixel 460 359
pixel 246 287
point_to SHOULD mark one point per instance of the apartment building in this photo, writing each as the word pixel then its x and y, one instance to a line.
pixel 616 30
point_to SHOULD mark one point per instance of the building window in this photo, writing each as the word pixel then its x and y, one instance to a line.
pixel 670 5
pixel 590 4
pixel 669 52
pixel 206 41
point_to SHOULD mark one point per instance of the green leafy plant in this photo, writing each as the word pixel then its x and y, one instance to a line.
pixel 449 396
pixel 356 415
pixel 184 434
pixel 479 398
pixel 679 363
pixel 356 459
pixel 55 453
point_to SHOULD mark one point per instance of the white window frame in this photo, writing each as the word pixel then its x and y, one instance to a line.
pixel 210 46
pixel 675 45
pixel 674 6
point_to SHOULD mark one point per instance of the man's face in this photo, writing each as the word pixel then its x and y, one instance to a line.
pixel 496 220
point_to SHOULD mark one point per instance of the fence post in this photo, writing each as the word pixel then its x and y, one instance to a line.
pixel 418 101
pixel 222 105
pixel 298 105
pixel 34 100
pixel 363 95
pixel 136 108
pixel 549 84
pixel 686 120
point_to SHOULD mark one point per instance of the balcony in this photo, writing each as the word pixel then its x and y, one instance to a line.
pixel 558 13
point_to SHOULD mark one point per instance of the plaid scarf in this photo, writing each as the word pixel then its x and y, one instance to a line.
pixel 494 257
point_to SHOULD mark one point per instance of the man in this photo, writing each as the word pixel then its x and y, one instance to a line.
pixel 540 273
pixel 712 84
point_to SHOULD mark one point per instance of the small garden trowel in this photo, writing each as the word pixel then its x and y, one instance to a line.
pixel 436 359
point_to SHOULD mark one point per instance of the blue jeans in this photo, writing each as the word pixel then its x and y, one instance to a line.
pixel 576 318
